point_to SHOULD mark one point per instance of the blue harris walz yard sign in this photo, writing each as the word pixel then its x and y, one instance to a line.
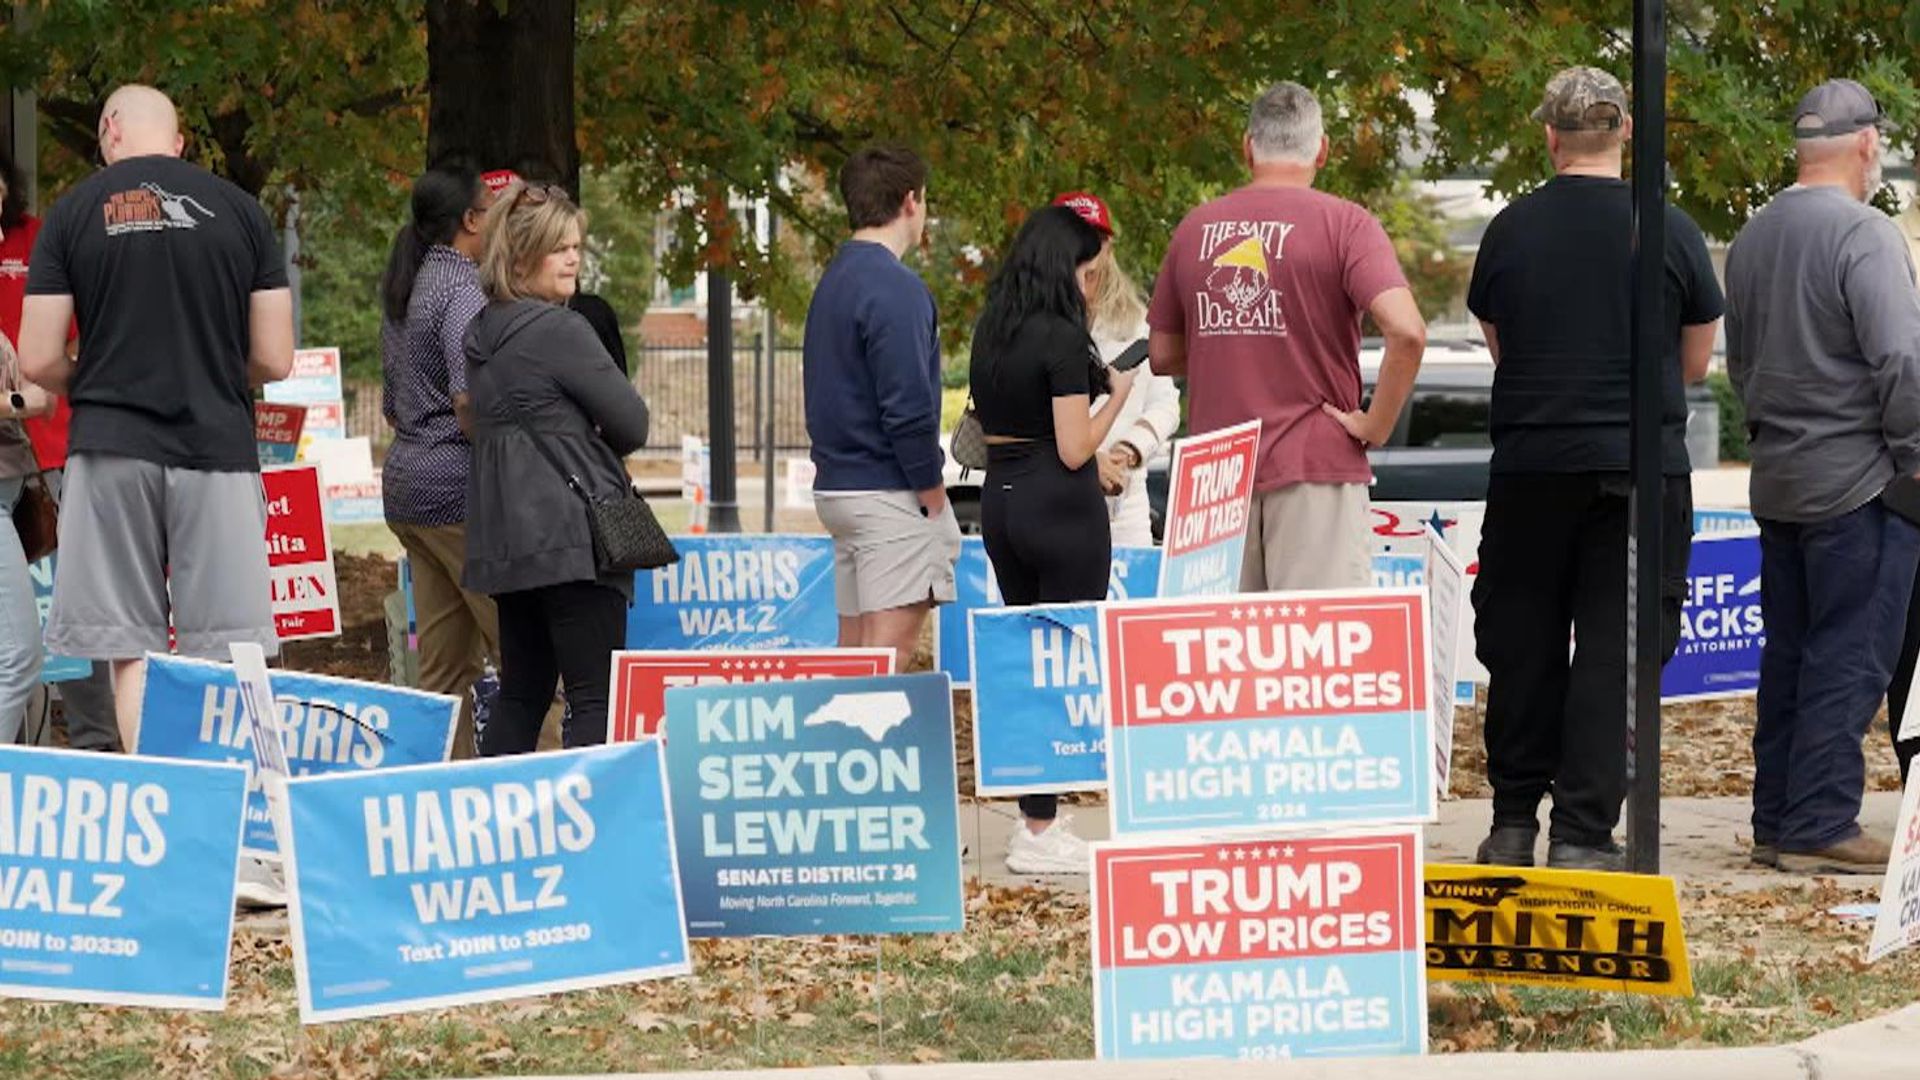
pixel 190 709
pixel 116 878
pixel 1135 576
pixel 443 885
pixel 821 807
pixel 738 592
pixel 1039 724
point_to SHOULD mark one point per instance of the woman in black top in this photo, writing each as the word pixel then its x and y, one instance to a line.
pixel 1035 373
pixel 537 371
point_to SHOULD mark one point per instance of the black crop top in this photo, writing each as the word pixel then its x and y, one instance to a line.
pixel 1014 387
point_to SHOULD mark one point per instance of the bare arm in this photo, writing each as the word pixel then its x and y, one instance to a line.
pixel 1077 434
pixel 1696 350
pixel 463 413
pixel 1167 353
pixel 1398 317
pixel 43 341
pixel 269 336
pixel 1493 341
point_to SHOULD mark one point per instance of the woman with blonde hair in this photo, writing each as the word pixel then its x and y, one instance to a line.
pixel 1117 316
pixel 537 371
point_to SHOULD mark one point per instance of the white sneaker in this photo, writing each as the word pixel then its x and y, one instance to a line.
pixel 1055 851
pixel 260 884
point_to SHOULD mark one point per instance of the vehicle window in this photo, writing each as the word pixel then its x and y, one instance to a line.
pixel 1448 419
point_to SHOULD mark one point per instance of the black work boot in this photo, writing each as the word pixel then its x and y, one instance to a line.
pixel 1564 856
pixel 1508 845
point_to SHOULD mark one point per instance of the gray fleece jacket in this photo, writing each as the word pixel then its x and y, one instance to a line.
pixel 526 528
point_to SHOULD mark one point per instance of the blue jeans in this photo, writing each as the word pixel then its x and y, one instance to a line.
pixel 20 652
pixel 1834 597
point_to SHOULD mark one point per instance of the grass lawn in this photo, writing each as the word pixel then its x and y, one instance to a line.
pixel 1769 967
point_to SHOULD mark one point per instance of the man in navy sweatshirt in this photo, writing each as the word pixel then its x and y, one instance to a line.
pixel 872 367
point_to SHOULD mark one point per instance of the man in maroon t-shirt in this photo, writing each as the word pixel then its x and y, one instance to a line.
pixel 1259 303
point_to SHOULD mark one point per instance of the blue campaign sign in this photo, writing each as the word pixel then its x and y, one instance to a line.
pixel 1039 724
pixel 1721 629
pixel 191 709
pixel 441 885
pixel 55 668
pixel 1723 521
pixel 1136 576
pixel 738 592
pixel 1399 571
pixel 819 807
pixel 117 883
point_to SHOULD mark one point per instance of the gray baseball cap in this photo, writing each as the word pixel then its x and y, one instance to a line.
pixel 1575 100
pixel 1835 107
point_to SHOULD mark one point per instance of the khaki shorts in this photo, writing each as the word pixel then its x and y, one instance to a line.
pixel 886 553
pixel 1308 536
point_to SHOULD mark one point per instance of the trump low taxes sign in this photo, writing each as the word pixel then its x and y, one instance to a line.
pixel 116 878
pixel 1209 496
pixel 1246 712
pixel 738 592
pixel 822 807
pixel 1263 949
pixel 1039 724
pixel 641 679
pixel 445 885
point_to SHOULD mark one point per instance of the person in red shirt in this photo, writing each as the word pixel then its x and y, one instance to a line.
pixel 1259 304
pixel 86 703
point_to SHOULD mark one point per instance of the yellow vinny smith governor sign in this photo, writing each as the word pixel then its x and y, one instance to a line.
pixel 1563 928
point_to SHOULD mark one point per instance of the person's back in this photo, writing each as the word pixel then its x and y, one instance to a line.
pixel 161 258
pixel 871 364
pixel 1803 358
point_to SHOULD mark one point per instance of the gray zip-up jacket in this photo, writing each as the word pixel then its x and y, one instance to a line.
pixel 526 528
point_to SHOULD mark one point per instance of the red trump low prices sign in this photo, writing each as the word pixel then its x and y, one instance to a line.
pixel 641 679
pixel 306 595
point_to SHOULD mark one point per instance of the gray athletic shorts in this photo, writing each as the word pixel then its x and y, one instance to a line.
pixel 130 532
pixel 886 553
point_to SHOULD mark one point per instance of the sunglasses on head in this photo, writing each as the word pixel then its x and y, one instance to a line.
pixel 539 194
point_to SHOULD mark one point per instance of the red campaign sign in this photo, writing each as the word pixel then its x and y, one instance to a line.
pixel 641 679
pixel 326 416
pixel 278 423
pixel 1211 487
pixel 1278 654
pixel 306 594
pixel 1275 898
pixel 316 363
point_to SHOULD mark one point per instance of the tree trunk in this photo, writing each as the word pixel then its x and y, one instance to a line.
pixel 500 87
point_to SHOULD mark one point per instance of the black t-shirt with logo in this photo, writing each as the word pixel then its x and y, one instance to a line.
pixel 1555 278
pixel 160 257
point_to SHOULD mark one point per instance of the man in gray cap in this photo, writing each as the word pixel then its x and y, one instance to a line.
pixel 1823 344
pixel 1552 289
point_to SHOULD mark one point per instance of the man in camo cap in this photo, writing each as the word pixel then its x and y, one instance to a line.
pixel 1551 288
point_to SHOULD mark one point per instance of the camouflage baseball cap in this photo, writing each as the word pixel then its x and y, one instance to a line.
pixel 1575 100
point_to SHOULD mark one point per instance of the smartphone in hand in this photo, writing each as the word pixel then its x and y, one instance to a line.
pixel 1133 357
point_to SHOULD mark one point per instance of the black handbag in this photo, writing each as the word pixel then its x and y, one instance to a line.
pixel 626 535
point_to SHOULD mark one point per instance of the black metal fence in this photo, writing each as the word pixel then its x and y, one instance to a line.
pixel 673 380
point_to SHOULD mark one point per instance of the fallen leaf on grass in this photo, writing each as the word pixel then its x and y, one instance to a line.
pixel 927 1055
pixel 802 1020
pixel 647 1021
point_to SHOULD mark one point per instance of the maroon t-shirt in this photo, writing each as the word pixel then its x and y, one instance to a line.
pixel 1267 285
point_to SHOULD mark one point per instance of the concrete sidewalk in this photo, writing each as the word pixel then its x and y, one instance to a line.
pixel 1703 841
pixel 1881 1049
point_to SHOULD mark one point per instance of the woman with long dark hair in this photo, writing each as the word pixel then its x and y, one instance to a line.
pixel 429 294
pixel 1035 374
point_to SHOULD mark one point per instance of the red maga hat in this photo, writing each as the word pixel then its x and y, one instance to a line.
pixel 1090 207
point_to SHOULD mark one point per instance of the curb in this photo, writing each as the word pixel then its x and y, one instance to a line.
pixel 1884 1047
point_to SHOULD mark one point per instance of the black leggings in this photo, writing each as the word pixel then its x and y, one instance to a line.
pixel 1048 536
pixel 566 632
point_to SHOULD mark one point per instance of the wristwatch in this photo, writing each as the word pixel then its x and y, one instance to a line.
pixel 18 400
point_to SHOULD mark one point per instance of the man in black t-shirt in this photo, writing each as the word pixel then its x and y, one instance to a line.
pixel 183 307
pixel 1552 287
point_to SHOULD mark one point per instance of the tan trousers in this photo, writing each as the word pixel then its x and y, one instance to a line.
pixel 459 630
pixel 1308 536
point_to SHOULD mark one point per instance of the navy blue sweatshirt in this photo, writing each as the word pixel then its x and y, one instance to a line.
pixel 872 375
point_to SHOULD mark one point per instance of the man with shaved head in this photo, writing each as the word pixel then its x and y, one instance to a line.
pixel 182 302
pixel 1823 344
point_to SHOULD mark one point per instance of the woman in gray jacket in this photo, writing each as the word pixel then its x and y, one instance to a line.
pixel 537 371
